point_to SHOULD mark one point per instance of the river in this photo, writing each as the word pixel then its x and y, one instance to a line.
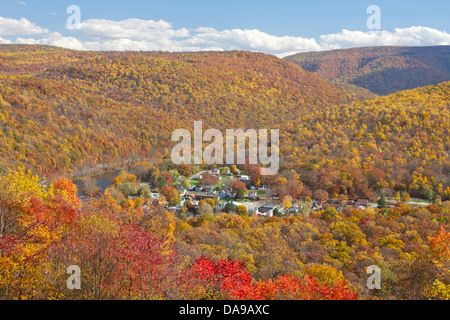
pixel 102 180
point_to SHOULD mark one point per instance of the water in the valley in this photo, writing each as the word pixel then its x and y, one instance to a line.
pixel 102 180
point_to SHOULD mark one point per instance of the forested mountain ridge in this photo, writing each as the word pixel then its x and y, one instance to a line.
pixel 381 70
pixel 62 108
pixel 396 142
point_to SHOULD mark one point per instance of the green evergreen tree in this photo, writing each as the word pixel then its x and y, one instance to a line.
pixel 240 194
pixel 382 203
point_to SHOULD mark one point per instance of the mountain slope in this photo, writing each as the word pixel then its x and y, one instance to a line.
pixel 60 109
pixel 65 110
pixel 395 143
pixel 381 70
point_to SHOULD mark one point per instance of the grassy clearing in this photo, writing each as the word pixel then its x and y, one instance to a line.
pixel 193 183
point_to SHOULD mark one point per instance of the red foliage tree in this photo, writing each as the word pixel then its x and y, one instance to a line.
pixel 237 184
pixel 229 279
pixel 208 180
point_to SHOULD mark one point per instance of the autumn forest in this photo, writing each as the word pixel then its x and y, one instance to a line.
pixel 368 123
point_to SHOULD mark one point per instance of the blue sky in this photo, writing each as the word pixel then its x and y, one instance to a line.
pixel 278 27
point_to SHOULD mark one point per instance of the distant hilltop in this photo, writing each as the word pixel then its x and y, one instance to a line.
pixel 379 70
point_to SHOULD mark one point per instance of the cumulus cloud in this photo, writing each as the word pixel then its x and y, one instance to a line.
pixel 137 34
pixel 5 41
pixel 150 35
pixel 413 36
pixel 19 27
pixel 253 40
pixel 55 39
pixel 133 29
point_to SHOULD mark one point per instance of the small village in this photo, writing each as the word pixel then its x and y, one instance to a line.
pixel 226 189
pixel 260 201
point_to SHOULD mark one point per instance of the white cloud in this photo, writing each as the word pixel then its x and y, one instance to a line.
pixel 54 39
pixel 149 35
pixel 412 36
pixel 19 27
pixel 136 34
pixel 133 29
pixel 5 41
pixel 23 3
pixel 253 40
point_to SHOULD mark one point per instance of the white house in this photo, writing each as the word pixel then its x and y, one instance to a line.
pixel 266 210
pixel 252 195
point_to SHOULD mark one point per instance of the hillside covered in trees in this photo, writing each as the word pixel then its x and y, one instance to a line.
pixel 399 142
pixel 63 112
pixel 126 252
pixel 379 70
pixel 61 109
